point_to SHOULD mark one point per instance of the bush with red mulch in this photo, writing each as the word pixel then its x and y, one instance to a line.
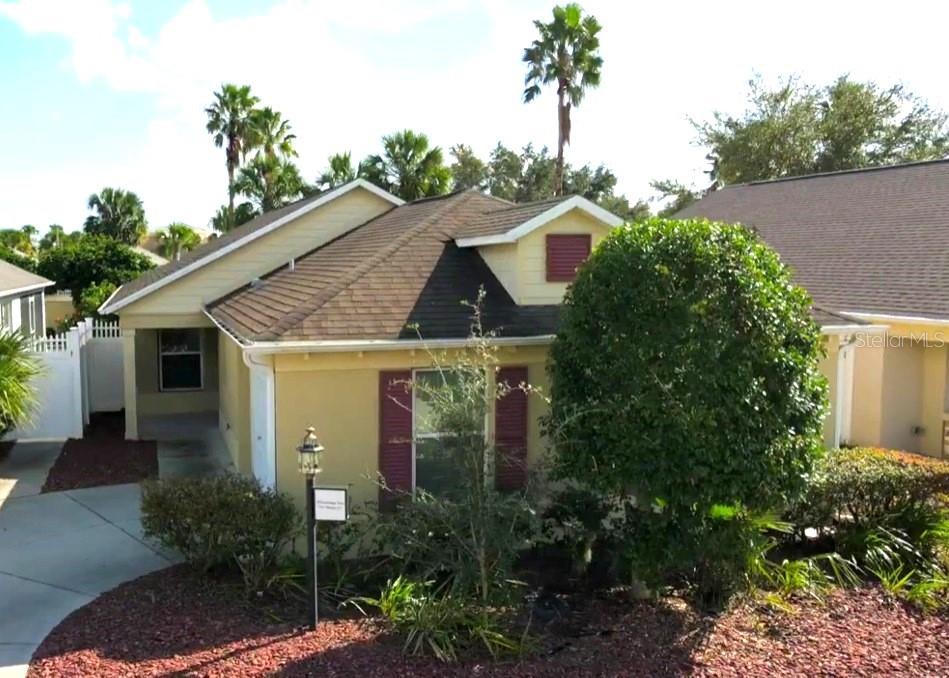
pixel 175 622
pixel 102 457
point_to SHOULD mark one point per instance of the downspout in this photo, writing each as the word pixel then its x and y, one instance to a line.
pixel 844 346
pixel 268 418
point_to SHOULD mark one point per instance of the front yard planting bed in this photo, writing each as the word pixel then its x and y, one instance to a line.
pixel 173 622
pixel 102 457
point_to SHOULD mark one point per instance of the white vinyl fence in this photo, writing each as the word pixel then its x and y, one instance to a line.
pixel 82 373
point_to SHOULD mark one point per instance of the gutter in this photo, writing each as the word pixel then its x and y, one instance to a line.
pixel 884 317
pixel 341 345
pixel 26 288
pixel 831 330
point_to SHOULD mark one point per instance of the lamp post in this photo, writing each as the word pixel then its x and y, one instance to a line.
pixel 308 456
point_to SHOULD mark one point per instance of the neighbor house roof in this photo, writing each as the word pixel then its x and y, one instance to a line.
pixel 227 242
pixel 865 242
pixel 14 280
pixel 399 276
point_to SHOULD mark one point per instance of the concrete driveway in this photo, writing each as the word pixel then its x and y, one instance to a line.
pixel 58 551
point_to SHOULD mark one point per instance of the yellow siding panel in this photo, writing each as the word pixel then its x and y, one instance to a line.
pixel 338 394
pixel 188 295
pixel 502 260
pixel 234 414
pixel 532 257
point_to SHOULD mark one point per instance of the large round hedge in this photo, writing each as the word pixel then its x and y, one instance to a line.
pixel 686 369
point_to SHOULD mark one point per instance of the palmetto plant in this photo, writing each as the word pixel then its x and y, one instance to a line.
pixel 177 238
pixel 270 182
pixel 566 53
pixel 408 167
pixel 271 134
pixel 119 214
pixel 229 121
pixel 18 369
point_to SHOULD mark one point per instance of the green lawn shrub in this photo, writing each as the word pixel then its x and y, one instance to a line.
pixel 224 521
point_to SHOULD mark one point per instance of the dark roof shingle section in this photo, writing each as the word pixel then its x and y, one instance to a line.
pixel 13 278
pixel 871 241
pixel 398 270
pixel 210 247
pixel 503 219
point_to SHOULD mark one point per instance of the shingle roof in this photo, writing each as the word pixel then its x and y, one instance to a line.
pixel 869 241
pixel 399 269
pixel 15 278
pixel 505 217
pixel 214 245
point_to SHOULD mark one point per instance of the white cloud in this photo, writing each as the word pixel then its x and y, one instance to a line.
pixel 664 62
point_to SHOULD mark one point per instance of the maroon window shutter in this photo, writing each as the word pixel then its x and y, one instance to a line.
pixel 395 435
pixel 510 430
pixel 565 253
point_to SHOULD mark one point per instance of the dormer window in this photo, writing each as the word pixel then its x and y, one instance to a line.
pixel 565 254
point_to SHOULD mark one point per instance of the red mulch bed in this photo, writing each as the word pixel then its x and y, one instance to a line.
pixel 102 457
pixel 174 623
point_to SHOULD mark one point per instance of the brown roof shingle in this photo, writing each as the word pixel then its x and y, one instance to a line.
pixel 398 270
pixel 871 241
pixel 506 217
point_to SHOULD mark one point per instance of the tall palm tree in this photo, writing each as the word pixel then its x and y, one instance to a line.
pixel 340 171
pixel 119 214
pixel 566 53
pixel 271 133
pixel 408 167
pixel 177 238
pixel 229 121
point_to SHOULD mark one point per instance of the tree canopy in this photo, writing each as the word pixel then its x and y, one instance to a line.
pixel 409 166
pixel 799 128
pixel 89 260
pixel 118 214
pixel 230 125
pixel 177 238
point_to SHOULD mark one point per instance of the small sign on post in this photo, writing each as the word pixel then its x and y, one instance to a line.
pixel 331 503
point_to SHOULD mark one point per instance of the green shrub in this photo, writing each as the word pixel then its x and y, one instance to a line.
pixel 578 519
pixel 221 521
pixel 442 626
pixel 685 374
pixel 866 487
pixel 18 370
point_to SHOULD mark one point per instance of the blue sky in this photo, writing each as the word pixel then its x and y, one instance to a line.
pixel 112 93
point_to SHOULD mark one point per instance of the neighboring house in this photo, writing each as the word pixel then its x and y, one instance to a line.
pixel 152 255
pixel 872 246
pixel 307 315
pixel 22 306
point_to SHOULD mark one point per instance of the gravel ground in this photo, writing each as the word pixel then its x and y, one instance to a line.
pixel 173 623
pixel 102 457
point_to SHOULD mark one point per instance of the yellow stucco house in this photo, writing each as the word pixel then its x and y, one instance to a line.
pixel 870 246
pixel 307 315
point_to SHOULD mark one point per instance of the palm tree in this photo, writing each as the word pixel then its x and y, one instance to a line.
pixel 271 133
pixel 55 235
pixel 270 182
pixel 341 171
pixel 229 120
pixel 18 369
pixel 119 215
pixel 177 238
pixel 30 232
pixel 567 52
pixel 408 167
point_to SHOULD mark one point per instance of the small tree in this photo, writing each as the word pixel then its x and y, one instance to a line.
pixel 467 534
pixel 686 374
pixel 90 260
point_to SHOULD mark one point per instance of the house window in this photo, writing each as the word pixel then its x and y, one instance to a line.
pixel 181 367
pixel 438 464
pixel 32 316
pixel 6 315
pixel 565 253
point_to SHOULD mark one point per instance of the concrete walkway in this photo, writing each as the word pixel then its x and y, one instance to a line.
pixel 58 551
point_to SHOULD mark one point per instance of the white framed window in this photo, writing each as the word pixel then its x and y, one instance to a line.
pixel 6 315
pixel 31 308
pixel 435 465
pixel 181 359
